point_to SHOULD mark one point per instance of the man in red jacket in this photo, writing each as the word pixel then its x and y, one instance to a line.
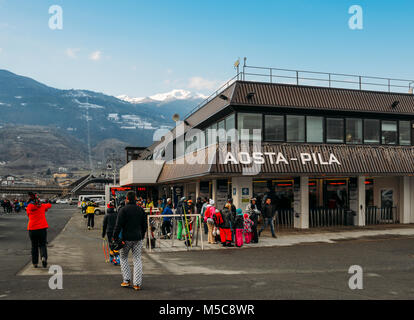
pixel 37 227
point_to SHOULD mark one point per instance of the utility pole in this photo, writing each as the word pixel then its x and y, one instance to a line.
pixel 112 164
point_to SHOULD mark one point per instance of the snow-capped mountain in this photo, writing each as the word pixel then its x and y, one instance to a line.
pixel 177 94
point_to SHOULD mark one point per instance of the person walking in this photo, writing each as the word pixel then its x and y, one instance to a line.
pixel 248 229
pixel 108 227
pixel 90 212
pixel 37 228
pixel 132 222
pixel 268 212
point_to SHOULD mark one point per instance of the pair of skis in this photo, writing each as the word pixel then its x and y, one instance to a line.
pixel 187 234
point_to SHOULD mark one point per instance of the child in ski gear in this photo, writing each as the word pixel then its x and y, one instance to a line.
pixel 248 228
pixel 239 227
pixel 254 213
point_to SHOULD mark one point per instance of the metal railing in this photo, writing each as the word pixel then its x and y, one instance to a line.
pixel 375 215
pixel 238 76
pixel 312 78
pixel 284 219
pixel 325 217
pixel 326 79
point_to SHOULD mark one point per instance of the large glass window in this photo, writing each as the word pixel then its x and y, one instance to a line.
pixel 211 134
pixel 295 126
pixel 250 122
pixel 221 131
pixel 371 131
pixel 230 126
pixel 353 131
pixel 389 132
pixel 274 128
pixel 314 129
pixel 405 133
pixel 334 130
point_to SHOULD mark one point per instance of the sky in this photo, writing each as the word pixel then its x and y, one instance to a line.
pixel 140 48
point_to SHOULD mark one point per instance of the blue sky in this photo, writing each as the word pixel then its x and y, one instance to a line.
pixel 141 48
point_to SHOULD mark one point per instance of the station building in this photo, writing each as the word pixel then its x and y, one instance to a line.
pixel 327 156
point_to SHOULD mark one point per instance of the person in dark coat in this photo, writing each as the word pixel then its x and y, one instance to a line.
pixel 108 227
pixel 132 220
pixel 225 227
pixel 268 213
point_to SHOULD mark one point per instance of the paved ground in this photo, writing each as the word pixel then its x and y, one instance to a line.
pixel 317 269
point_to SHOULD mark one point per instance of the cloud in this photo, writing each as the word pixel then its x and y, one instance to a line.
pixel 199 83
pixel 72 52
pixel 95 56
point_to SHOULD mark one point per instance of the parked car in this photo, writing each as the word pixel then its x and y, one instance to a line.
pixel 63 201
pixel 100 209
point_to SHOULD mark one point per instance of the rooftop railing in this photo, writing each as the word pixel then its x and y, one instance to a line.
pixel 313 78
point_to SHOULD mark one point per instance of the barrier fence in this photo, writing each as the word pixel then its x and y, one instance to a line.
pixel 284 219
pixel 158 238
pixel 326 217
pixel 375 215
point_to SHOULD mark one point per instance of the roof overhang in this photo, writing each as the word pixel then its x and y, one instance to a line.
pixel 140 172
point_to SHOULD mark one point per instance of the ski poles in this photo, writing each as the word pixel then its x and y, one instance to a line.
pixel 187 227
pixel 105 249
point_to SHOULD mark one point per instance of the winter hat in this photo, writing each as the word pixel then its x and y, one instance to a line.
pixel 239 211
pixel 169 199
pixel 212 202
pixel 245 216
pixel 217 210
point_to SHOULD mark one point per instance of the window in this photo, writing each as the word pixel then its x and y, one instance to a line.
pixel 210 135
pixel 274 128
pixel 221 131
pixel 405 133
pixel 334 130
pixel 371 131
pixel 314 129
pixel 353 131
pixel 389 132
pixel 250 122
pixel 295 126
pixel 230 126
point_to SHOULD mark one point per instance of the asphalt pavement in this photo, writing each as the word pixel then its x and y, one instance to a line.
pixel 312 270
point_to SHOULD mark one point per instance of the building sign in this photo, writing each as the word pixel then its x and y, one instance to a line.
pixel 279 158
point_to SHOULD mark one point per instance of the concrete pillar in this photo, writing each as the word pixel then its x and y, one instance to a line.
pixel 360 210
pixel 197 189
pixel 405 200
pixel 242 191
pixel 214 190
pixel 301 202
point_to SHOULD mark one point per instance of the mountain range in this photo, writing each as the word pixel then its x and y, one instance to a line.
pixel 80 120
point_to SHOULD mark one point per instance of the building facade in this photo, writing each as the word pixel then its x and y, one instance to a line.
pixel 326 156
